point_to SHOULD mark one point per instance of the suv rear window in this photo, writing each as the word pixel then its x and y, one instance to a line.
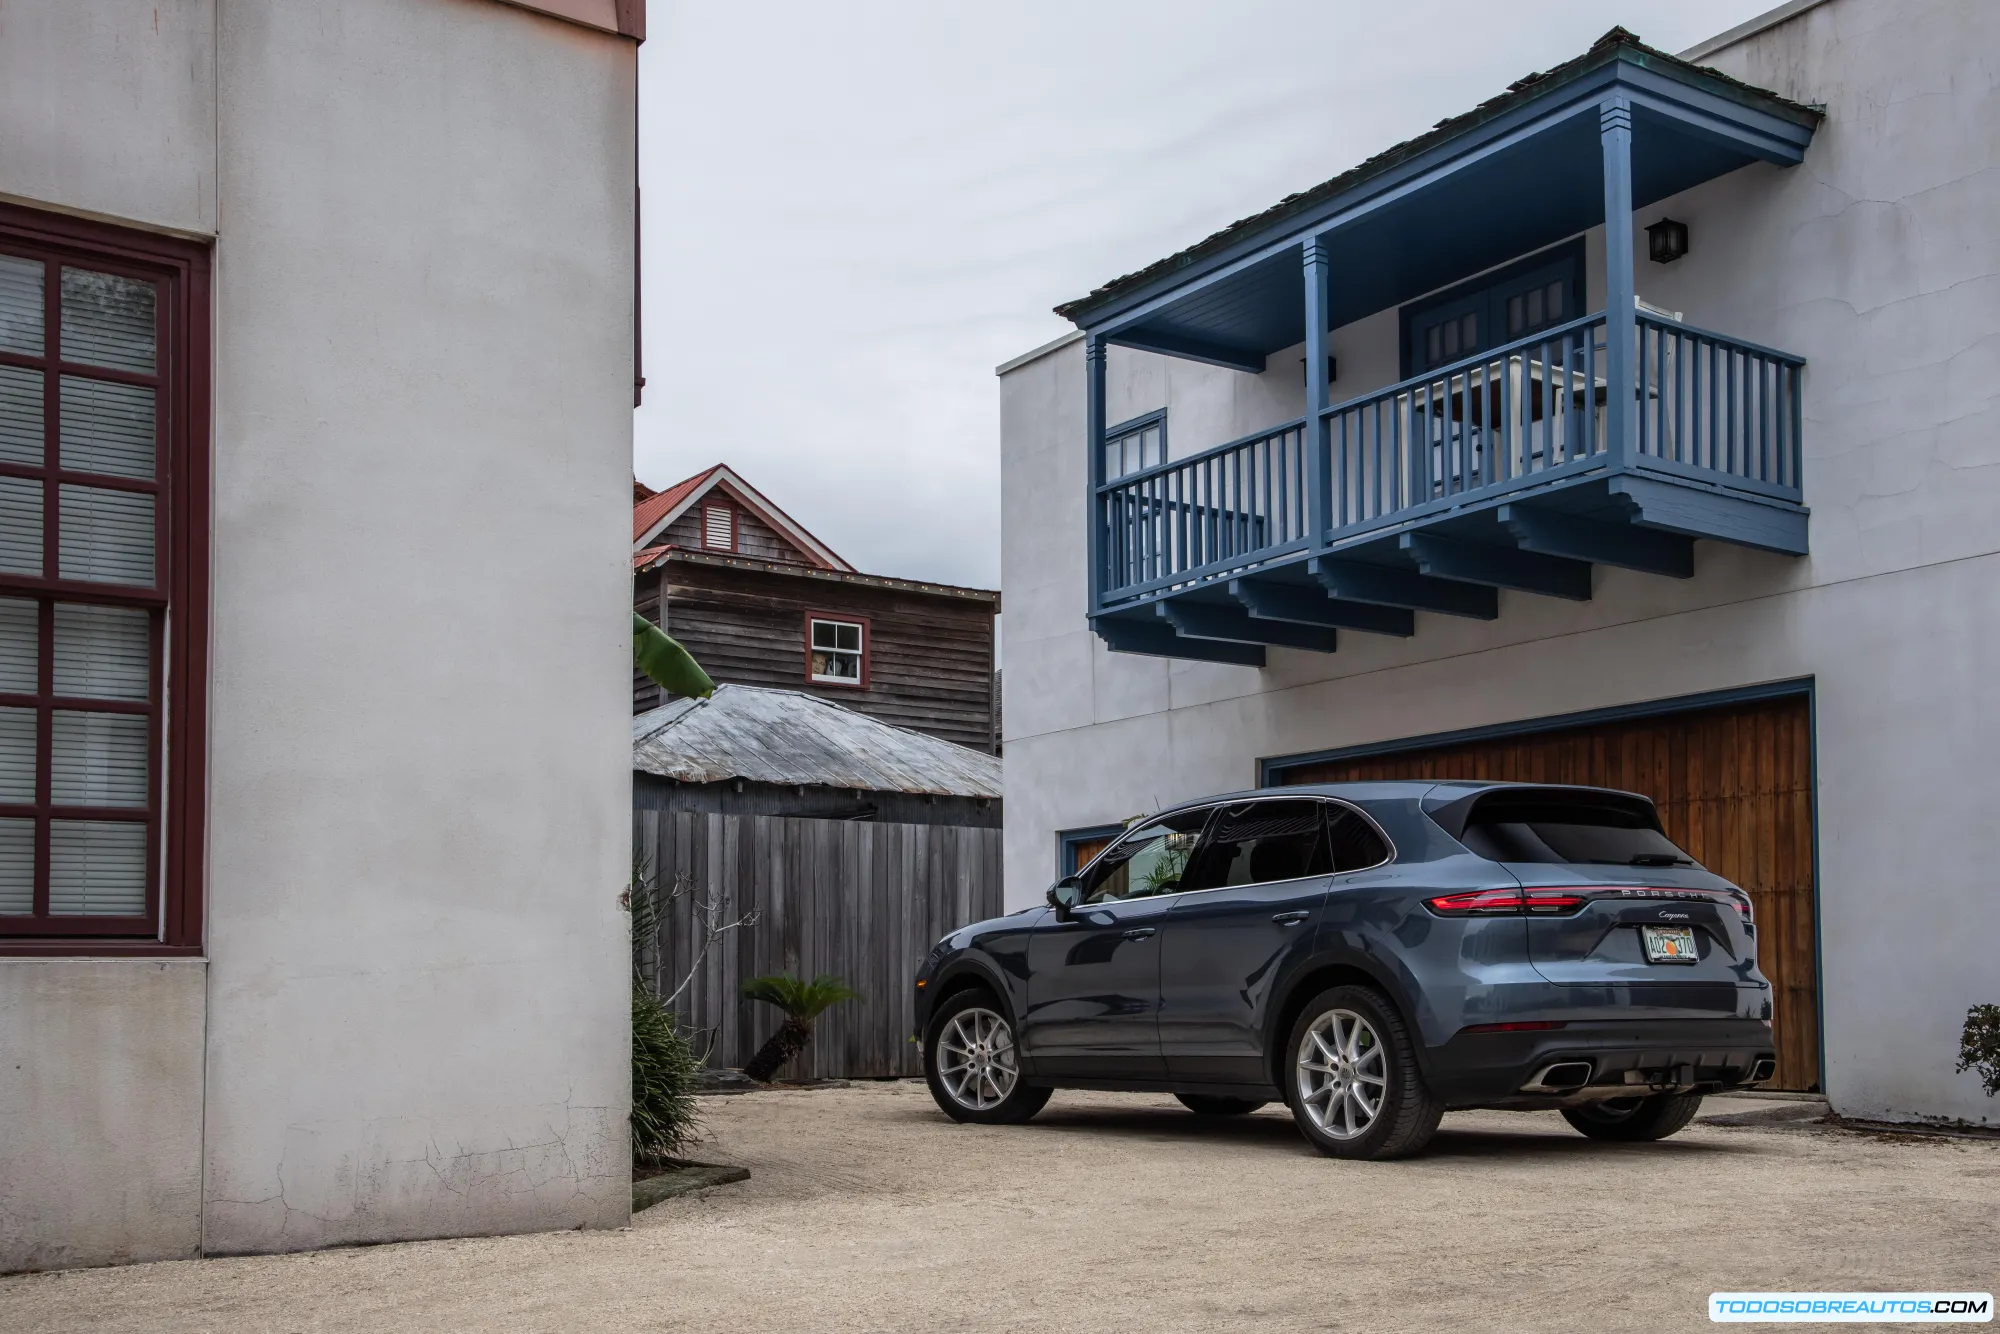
pixel 1567 827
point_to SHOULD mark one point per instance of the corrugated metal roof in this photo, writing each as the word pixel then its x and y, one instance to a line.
pixel 787 736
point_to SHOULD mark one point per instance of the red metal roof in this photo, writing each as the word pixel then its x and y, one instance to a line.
pixel 661 503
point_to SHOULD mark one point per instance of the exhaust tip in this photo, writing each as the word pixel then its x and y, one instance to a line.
pixel 1766 1067
pixel 1561 1076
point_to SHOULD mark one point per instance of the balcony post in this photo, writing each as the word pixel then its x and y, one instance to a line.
pixel 1319 479
pixel 1093 371
pixel 1614 120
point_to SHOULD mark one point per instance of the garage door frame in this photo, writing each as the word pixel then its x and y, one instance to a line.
pixel 1271 771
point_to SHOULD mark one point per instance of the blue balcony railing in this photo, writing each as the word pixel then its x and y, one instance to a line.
pixel 1703 410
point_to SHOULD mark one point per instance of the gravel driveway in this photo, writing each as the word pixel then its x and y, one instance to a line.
pixel 869 1211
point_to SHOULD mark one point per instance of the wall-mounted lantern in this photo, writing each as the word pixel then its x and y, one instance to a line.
pixel 1666 240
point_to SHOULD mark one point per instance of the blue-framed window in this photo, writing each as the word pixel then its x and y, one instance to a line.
pixel 1538 292
pixel 1075 847
pixel 1135 445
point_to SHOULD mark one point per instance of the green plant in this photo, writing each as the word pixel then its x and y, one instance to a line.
pixel 1979 1046
pixel 802 1003
pixel 660 656
pixel 665 1068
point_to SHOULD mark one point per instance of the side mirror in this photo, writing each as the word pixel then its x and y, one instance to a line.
pixel 1065 894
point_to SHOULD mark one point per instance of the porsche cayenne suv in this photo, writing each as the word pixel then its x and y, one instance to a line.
pixel 1373 954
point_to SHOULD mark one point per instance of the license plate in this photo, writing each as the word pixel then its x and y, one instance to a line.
pixel 1670 944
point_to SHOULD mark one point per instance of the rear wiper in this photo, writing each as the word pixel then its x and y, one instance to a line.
pixel 1659 859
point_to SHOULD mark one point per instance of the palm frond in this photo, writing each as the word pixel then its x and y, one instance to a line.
pixel 660 656
pixel 798 999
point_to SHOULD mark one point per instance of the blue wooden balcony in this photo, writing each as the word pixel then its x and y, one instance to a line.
pixel 1617 438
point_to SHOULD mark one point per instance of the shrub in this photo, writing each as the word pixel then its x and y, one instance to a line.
pixel 665 1069
pixel 1979 1046
pixel 802 1003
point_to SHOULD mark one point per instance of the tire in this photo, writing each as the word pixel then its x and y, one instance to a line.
pixel 1202 1104
pixel 970 1065
pixel 1635 1120
pixel 1347 1043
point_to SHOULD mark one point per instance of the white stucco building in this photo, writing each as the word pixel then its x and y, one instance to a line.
pixel 313 796
pixel 1429 416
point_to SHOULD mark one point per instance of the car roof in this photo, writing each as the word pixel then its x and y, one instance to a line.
pixel 1387 789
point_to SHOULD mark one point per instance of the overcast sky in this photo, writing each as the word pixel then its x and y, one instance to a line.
pixel 854 212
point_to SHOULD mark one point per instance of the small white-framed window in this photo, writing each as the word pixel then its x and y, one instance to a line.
pixel 718 528
pixel 837 652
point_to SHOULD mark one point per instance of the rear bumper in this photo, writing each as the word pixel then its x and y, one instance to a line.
pixel 1623 1058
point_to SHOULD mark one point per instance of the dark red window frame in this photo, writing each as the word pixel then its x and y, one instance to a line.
pixel 179 602
pixel 867 647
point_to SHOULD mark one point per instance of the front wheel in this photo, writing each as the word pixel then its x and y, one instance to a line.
pixel 1204 1104
pixel 1635 1120
pixel 1352 1081
pixel 971 1065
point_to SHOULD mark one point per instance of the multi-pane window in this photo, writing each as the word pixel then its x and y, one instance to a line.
pixel 836 652
pixel 88 404
pixel 1141 445
pixel 1536 308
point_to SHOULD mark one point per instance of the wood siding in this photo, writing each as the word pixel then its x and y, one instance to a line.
pixel 1734 787
pixel 864 901
pixel 930 655
pixel 754 538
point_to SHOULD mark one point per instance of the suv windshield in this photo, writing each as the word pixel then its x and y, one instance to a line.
pixel 1518 830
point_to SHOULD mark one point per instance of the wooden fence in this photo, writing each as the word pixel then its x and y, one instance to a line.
pixel 859 899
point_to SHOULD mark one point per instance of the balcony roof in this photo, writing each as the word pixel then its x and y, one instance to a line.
pixel 1450 203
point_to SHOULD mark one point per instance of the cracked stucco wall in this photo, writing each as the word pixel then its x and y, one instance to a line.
pixel 1878 260
pixel 416 985
pixel 420 749
pixel 100 1111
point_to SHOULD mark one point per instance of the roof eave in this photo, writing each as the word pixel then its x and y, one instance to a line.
pixel 1529 99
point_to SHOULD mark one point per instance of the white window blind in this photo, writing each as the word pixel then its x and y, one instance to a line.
pixel 106 536
pixel 107 320
pixel 97 868
pixel 95 761
pixel 20 305
pixel 20 416
pixel 17 867
pixel 718 527
pixel 107 428
pixel 20 525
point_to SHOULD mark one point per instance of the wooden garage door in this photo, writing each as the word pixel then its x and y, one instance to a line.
pixel 1734 787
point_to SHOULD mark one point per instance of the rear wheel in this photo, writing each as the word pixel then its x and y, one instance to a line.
pixel 1632 1120
pixel 1352 1081
pixel 971 1065
pixel 1202 1104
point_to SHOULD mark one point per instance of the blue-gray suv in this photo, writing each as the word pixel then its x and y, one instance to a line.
pixel 1374 954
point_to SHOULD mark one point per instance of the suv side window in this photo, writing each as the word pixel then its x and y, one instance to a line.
pixel 1356 845
pixel 1262 841
pixel 1150 860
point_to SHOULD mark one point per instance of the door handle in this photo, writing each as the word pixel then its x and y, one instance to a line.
pixel 1140 932
pixel 1292 918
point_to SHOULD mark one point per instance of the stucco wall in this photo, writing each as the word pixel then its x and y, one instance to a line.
pixel 109 109
pixel 1875 259
pixel 421 779
pixel 100 1111
pixel 416 1019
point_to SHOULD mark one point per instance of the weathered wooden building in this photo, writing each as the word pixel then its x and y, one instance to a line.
pixel 760 601
pixel 852 843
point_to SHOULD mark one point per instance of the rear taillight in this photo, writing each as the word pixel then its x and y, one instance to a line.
pixel 1477 903
pixel 1509 902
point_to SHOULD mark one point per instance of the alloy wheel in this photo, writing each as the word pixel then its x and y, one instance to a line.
pixel 1343 1074
pixel 975 1059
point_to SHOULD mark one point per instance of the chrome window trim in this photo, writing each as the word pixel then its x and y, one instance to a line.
pixel 1213 806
